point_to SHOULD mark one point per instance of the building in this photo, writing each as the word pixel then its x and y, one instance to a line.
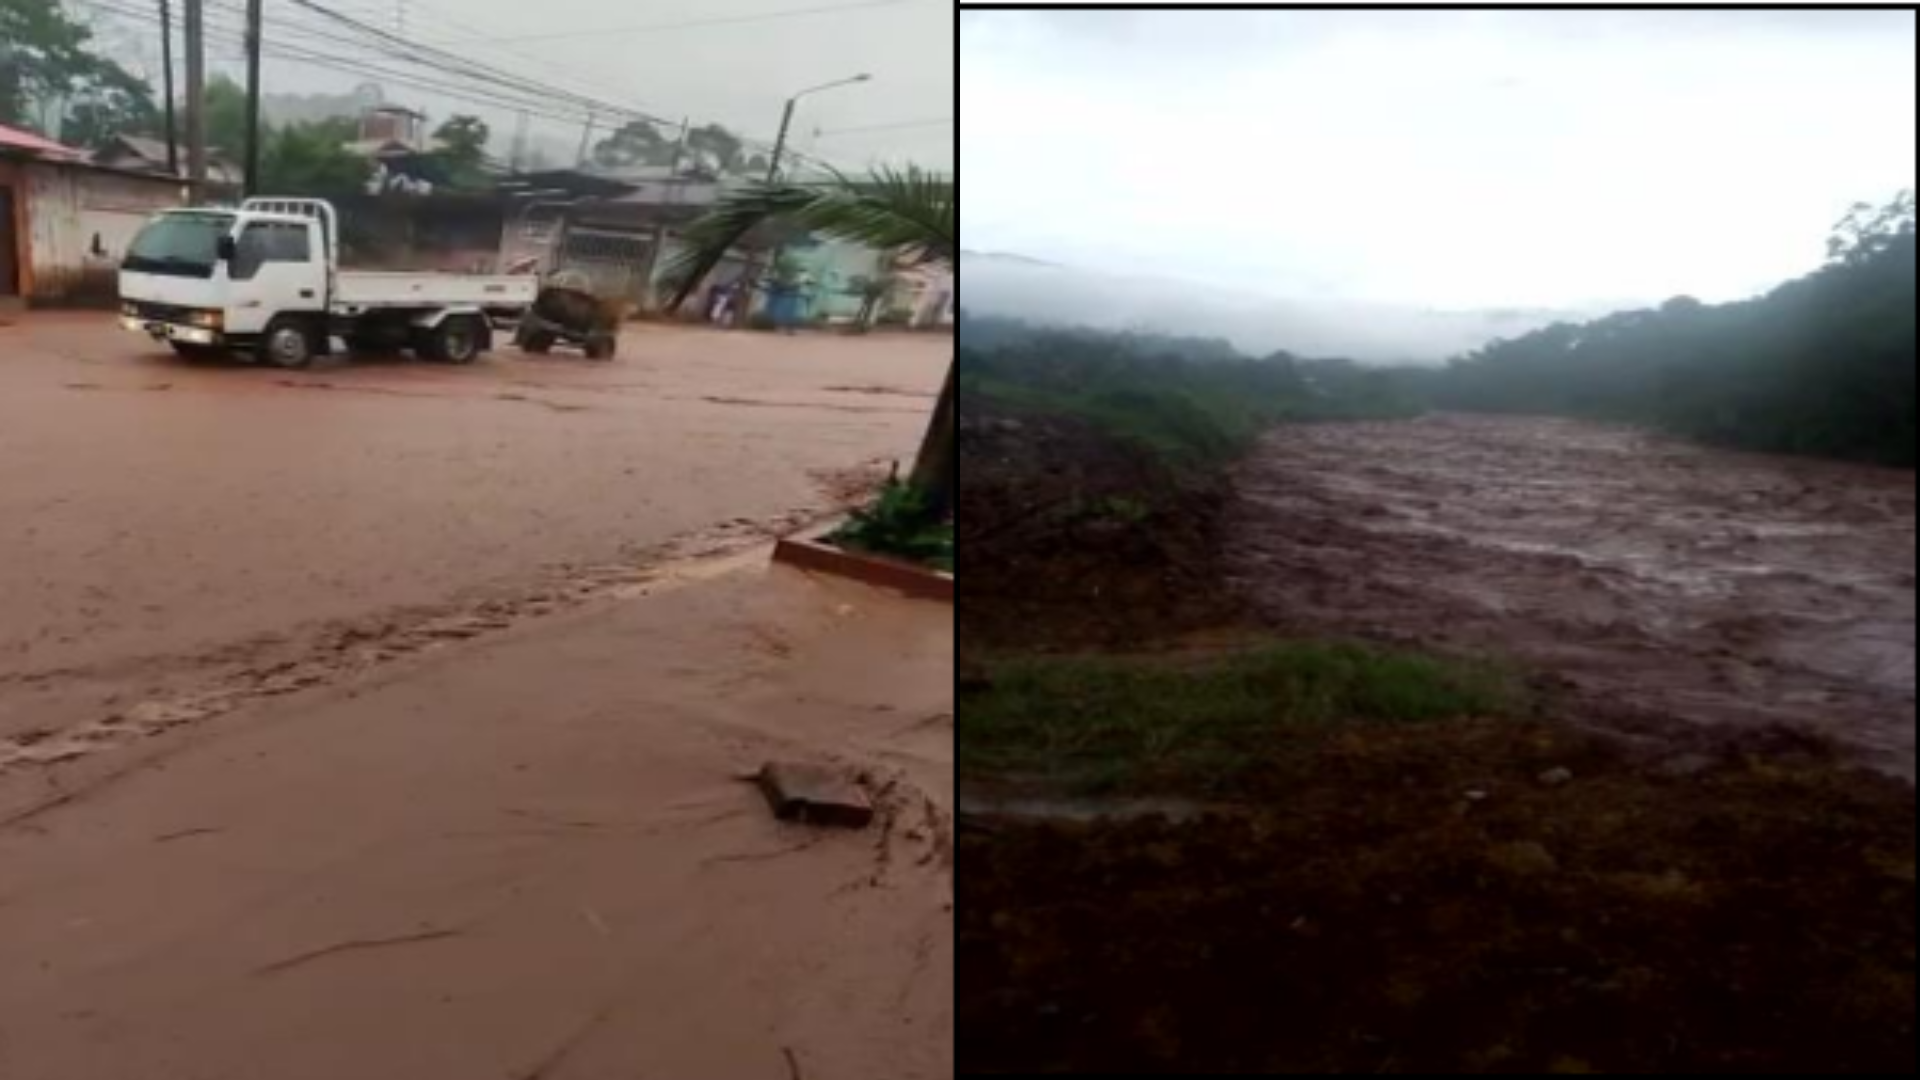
pixel 65 221
pixel 137 153
pixel 385 126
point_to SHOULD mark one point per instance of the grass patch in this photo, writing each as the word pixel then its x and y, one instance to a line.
pixel 1109 723
pixel 896 524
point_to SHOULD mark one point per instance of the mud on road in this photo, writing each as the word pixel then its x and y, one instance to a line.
pixel 177 537
pixel 1655 580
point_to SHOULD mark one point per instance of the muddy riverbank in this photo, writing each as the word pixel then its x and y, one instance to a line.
pixel 1657 582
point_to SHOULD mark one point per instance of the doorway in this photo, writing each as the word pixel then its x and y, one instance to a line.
pixel 9 273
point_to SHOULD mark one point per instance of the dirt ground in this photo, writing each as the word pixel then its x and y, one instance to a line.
pixel 1671 862
pixel 522 856
pixel 176 538
pixel 1659 579
pixel 1075 541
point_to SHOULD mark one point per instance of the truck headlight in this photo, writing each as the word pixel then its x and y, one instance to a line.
pixel 208 319
pixel 129 309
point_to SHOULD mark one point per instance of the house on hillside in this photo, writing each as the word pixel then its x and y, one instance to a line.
pixel 66 220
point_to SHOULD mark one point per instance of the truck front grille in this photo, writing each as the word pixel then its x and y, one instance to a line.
pixel 172 313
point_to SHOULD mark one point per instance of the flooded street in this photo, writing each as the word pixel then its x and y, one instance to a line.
pixel 166 525
pixel 1661 581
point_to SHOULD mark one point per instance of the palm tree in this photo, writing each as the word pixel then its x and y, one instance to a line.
pixel 907 213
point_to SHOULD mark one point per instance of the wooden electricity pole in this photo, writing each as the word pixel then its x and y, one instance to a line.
pixel 253 98
pixel 196 101
pixel 166 86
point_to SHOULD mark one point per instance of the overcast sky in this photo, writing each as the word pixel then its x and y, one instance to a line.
pixel 636 53
pixel 1454 159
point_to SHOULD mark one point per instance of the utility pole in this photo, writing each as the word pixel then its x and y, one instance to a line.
pixel 750 274
pixel 780 140
pixel 519 151
pixel 166 80
pixel 651 301
pixel 253 98
pixel 196 102
pixel 580 159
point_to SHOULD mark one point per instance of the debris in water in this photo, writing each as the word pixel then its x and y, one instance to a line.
pixel 814 795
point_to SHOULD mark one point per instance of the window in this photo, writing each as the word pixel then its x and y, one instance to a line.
pixel 268 242
pixel 182 243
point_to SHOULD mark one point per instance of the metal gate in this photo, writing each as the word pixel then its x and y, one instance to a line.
pixel 613 263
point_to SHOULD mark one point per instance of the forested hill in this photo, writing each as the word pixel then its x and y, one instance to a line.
pixel 1823 364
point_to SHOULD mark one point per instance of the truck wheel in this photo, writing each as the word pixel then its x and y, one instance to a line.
pixel 288 343
pixel 600 347
pixel 457 340
pixel 535 341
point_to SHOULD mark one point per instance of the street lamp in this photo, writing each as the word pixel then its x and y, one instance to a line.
pixel 786 119
pixel 751 275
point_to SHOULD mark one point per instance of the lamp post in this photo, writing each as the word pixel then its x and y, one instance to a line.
pixel 751 277
pixel 786 119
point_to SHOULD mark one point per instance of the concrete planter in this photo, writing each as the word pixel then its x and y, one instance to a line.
pixel 810 550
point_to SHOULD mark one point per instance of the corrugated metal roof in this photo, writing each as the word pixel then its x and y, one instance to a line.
pixel 38 145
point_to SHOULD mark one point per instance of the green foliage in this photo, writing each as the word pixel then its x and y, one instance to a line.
pixel 715 148
pixel 897 524
pixel 48 61
pixel 1821 365
pixel 1191 401
pixel 457 163
pixel 1120 508
pixel 1142 724
pixel 226 116
pixel 638 142
pixel 907 211
pixel 311 159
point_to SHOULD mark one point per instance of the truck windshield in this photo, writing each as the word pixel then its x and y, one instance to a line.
pixel 187 245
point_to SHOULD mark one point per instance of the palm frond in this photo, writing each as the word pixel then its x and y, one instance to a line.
pixel 906 211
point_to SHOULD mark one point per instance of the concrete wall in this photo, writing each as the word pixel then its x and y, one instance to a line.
pixel 78 225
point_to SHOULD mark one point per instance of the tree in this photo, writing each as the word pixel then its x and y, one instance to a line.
pixel 48 66
pixel 463 138
pixel 1867 230
pixel 116 104
pixel 638 142
pixel 716 148
pixel 312 159
pixel 908 213
pixel 1823 364
pixel 461 156
pixel 226 116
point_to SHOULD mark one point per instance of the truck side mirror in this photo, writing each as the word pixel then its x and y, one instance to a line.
pixel 226 249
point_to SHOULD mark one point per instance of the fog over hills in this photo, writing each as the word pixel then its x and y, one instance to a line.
pixel 997 283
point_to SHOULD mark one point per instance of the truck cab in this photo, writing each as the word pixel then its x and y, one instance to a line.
pixel 264 278
pixel 205 280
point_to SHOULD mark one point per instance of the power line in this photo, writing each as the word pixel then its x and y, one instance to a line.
pixel 502 88
pixel 455 64
pixel 902 125
pixel 691 24
pixel 231 35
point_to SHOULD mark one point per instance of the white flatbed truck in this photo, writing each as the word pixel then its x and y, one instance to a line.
pixel 265 279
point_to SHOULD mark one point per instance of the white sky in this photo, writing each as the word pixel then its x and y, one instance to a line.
pixel 634 53
pixel 1453 159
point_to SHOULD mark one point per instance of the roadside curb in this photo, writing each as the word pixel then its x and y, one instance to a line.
pixel 809 550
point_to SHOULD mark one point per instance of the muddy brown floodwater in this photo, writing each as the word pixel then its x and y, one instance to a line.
pixel 1674 589
pixel 167 527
